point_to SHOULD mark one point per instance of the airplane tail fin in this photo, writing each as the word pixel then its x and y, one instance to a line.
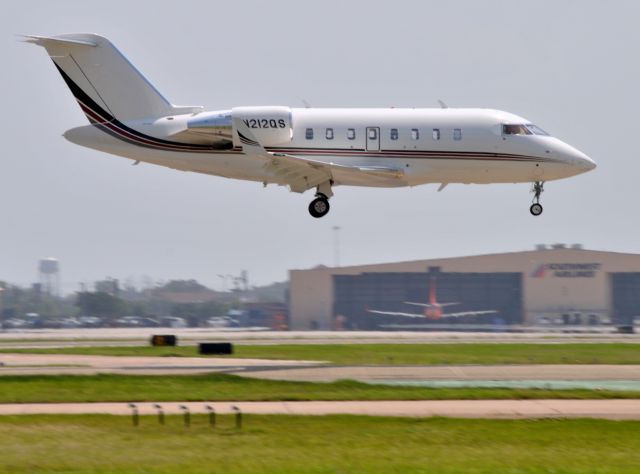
pixel 106 85
pixel 432 291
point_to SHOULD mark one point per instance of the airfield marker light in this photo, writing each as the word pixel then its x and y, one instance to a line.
pixel 135 416
pixel 212 415
pixel 187 416
pixel 160 413
pixel 238 417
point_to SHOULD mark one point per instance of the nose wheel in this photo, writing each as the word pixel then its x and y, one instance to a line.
pixel 319 207
pixel 535 209
pixel 537 190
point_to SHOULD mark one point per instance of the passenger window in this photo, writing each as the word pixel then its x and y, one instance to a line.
pixel 415 134
pixel 436 134
pixel 329 134
pixel 308 134
pixel 394 134
pixel 373 133
pixel 351 133
pixel 457 134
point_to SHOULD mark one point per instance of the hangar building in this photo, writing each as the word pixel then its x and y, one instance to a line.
pixel 555 284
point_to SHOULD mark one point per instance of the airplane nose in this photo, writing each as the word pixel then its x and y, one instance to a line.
pixel 576 159
pixel 585 162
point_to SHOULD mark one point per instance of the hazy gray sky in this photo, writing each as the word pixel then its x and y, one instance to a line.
pixel 571 67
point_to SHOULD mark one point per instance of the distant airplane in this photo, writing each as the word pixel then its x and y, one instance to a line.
pixel 432 310
pixel 302 148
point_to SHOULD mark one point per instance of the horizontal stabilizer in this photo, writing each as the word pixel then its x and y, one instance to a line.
pixel 430 305
pixel 44 40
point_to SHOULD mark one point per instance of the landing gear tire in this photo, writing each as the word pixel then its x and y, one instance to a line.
pixel 319 207
pixel 535 209
pixel 537 190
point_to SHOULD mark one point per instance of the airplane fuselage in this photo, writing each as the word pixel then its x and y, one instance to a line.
pixel 433 312
pixel 424 145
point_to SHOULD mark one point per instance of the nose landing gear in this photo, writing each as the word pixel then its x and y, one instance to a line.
pixel 537 190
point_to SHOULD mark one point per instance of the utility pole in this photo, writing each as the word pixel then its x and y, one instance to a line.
pixel 336 245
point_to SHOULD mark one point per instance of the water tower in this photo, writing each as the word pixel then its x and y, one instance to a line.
pixel 49 276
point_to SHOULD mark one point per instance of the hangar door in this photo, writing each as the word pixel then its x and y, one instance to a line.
pixel 625 293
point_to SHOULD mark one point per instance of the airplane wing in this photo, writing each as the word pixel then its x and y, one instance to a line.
pixel 468 313
pixel 455 327
pixel 395 313
pixel 302 173
pixel 444 316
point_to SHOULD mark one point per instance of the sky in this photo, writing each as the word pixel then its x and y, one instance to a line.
pixel 571 67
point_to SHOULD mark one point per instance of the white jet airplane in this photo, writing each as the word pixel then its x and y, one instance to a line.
pixel 302 148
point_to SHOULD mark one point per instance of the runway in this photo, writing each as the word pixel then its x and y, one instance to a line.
pixel 515 409
pixel 50 338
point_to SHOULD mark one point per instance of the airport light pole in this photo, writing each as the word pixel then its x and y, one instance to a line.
pixel 1 309
pixel 336 245
pixel 224 282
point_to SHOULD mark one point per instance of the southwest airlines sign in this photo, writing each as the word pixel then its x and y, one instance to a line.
pixel 566 270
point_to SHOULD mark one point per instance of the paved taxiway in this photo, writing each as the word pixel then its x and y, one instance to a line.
pixel 300 370
pixel 607 409
pixel 450 372
pixel 56 364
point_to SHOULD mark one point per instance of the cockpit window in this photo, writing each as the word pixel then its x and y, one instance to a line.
pixel 522 129
pixel 536 130
pixel 515 129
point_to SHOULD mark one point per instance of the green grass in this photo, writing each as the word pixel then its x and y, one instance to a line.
pixel 129 388
pixel 396 354
pixel 316 445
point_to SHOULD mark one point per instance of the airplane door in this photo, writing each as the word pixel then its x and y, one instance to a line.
pixel 373 139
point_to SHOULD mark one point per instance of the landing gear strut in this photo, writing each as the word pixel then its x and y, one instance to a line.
pixel 319 207
pixel 537 190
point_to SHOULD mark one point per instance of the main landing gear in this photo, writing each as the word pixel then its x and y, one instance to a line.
pixel 319 207
pixel 537 190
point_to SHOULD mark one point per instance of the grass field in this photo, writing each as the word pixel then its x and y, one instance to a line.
pixel 397 354
pixel 315 445
pixel 220 387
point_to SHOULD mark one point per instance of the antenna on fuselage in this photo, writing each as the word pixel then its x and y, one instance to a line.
pixel 307 105
pixel 442 104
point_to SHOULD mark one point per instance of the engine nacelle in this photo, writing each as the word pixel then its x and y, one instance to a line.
pixel 271 125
